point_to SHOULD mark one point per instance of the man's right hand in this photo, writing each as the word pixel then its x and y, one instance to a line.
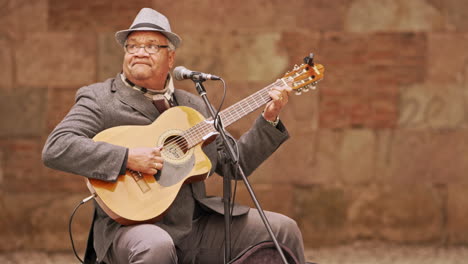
pixel 145 160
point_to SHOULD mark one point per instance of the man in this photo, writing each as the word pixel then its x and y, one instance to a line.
pixel 191 231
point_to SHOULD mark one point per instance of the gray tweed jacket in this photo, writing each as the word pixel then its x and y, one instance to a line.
pixel 108 104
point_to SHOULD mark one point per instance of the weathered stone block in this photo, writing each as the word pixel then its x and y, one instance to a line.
pixel 299 44
pixel 326 168
pixel 457 15
pixel 321 213
pixel 414 156
pixel 334 111
pixel 33 72
pixel 345 157
pixel 23 17
pixel 36 221
pixel 256 55
pixel 448 56
pixel 259 15
pixel 110 57
pixel 26 173
pixel 50 222
pixel 2 169
pixel 320 15
pixel 59 104
pixel 24 165
pixel 22 112
pixel 356 157
pixel 276 197
pixel 272 197
pixel 390 15
pixel 457 214
pixel 384 107
pixel 62 181
pixel 411 213
pixel 293 162
pixel 301 114
pixel 365 214
pixel 349 63
pixel 353 99
pixel 94 16
pixel 6 60
pixel 79 67
pixel 403 214
pixel 397 58
pixel 433 106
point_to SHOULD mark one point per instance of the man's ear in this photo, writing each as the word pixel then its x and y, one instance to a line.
pixel 171 57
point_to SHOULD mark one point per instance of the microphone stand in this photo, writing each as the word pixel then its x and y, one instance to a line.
pixel 227 182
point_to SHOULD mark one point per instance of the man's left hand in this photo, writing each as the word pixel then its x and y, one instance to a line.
pixel 279 96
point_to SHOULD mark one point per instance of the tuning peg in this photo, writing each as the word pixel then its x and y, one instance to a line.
pixel 299 91
pixel 309 59
pixel 296 67
pixel 305 89
pixel 313 85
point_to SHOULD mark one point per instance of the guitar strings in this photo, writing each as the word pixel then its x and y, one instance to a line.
pixel 182 140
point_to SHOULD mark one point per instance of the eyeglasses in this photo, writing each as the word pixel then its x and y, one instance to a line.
pixel 151 49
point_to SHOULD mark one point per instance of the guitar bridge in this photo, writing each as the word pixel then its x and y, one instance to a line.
pixel 140 181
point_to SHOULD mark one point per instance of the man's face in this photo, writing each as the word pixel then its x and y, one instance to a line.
pixel 142 67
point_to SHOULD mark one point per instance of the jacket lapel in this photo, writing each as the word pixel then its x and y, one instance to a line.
pixel 185 98
pixel 135 99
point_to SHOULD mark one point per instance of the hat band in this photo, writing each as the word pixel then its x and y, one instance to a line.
pixel 139 25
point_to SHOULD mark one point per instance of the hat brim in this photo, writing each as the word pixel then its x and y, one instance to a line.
pixel 121 36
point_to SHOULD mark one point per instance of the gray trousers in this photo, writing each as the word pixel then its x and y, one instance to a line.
pixel 205 244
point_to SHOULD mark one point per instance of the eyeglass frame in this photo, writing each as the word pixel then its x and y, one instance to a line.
pixel 144 48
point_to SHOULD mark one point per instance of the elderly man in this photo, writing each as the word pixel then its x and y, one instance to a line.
pixel 190 231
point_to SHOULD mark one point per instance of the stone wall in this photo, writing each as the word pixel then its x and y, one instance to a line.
pixel 377 152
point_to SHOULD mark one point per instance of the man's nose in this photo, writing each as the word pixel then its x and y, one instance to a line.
pixel 142 51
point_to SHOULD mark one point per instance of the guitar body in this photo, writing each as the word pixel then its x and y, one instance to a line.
pixel 141 198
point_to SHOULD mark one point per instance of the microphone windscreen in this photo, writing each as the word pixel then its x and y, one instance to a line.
pixel 178 73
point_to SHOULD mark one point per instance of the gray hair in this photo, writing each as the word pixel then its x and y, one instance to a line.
pixel 171 45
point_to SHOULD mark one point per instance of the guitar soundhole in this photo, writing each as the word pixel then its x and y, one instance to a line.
pixel 175 147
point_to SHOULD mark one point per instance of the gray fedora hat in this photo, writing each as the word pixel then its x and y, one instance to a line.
pixel 149 20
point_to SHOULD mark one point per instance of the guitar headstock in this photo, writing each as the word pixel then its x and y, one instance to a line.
pixel 305 76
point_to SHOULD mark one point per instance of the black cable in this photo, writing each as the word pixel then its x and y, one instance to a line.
pixel 218 125
pixel 70 225
pixel 233 200
pixel 217 117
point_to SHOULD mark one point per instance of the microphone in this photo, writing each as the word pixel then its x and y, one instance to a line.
pixel 182 73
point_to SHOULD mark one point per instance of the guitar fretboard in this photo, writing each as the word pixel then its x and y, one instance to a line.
pixel 197 133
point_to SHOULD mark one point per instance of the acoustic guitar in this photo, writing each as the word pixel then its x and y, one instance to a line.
pixel 141 198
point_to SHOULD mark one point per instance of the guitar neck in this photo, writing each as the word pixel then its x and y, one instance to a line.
pixel 247 105
pixel 197 133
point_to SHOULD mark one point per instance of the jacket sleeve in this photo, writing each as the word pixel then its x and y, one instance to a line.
pixel 254 146
pixel 70 147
